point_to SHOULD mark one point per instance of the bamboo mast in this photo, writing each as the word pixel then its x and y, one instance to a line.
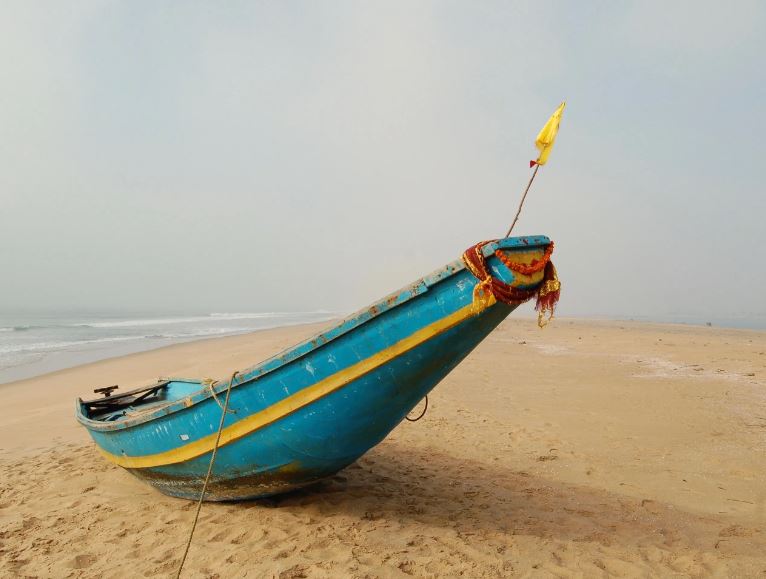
pixel 523 197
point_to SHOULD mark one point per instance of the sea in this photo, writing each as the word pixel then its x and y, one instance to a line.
pixel 34 343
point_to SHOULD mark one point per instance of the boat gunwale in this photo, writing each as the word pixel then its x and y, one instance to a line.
pixel 311 344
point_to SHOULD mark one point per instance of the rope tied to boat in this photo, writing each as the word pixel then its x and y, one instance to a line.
pixel 421 415
pixel 490 289
pixel 224 408
pixel 210 383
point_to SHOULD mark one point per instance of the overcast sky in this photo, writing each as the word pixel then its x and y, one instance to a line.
pixel 256 156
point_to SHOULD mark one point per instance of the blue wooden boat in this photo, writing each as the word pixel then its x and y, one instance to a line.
pixel 315 408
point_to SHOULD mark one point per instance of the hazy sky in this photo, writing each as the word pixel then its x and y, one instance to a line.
pixel 230 156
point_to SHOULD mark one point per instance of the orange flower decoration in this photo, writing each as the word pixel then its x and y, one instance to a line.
pixel 524 269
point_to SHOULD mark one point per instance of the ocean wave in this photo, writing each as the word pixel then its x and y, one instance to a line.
pixel 69 344
pixel 60 345
pixel 264 315
pixel 199 333
pixel 19 328
pixel 196 319
pixel 145 322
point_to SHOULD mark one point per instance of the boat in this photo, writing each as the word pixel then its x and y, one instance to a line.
pixel 315 408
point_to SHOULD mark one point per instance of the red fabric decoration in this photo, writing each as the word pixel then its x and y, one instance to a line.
pixel 547 292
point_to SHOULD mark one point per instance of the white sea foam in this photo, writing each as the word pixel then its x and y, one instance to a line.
pixel 52 346
pixel 63 345
pixel 196 319
pixel 144 322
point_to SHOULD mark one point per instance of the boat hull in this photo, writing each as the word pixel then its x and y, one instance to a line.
pixel 318 412
pixel 318 441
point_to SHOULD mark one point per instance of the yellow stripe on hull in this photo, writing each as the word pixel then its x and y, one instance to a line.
pixel 299 399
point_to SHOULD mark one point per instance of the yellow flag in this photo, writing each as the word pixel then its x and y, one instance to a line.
pixel 547 136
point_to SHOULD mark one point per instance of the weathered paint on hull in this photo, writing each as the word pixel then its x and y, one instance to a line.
pixel 314 409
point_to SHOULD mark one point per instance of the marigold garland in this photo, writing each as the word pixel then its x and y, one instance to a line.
pixel 490 288
pixel 522 268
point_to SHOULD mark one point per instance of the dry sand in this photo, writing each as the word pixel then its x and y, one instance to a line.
pixel 588 449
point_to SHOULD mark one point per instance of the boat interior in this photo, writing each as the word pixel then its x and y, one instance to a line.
pixel 113 407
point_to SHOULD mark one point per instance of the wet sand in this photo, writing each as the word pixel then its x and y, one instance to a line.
pixel 587 449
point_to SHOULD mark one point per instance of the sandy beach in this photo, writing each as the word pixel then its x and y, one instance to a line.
pixel 586 449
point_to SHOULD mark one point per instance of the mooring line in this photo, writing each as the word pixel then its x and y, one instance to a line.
pixel 209 472
pixel 210 383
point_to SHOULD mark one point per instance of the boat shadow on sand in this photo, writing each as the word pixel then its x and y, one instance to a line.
pixel 430 488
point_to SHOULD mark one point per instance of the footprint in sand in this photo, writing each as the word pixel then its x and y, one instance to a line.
pixel 82 561
pixel 219 537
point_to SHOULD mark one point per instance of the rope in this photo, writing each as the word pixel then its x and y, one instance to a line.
pixel 422 414
pixel 209 472
pixel 210 383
